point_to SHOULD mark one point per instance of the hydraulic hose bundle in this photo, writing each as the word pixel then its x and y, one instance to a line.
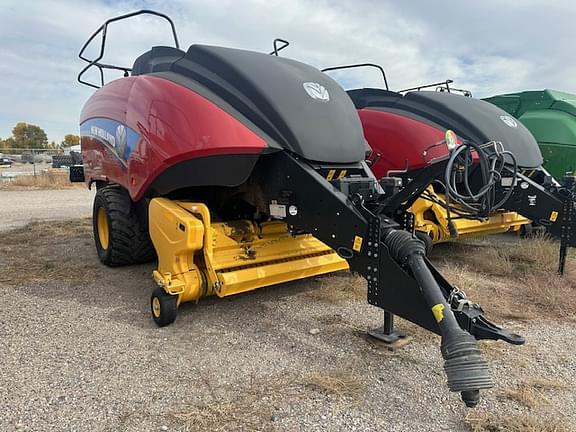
pixel 471 177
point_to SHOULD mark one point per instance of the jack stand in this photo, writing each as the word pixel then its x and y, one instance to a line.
pixel 394 339
pixel 567 217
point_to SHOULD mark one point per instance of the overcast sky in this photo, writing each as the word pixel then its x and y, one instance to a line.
pixel 487 46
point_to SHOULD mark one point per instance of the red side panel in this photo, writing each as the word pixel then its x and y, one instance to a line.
pixel 400 141
pixel 170 124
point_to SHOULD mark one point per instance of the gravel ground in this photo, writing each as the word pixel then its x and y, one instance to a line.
pixel 20 207
pixel 81 353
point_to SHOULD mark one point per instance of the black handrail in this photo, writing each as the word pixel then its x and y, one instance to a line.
pixel 359 65
pixel 278 49
pixel 440 86
pixel 103 29
pixel 441 83
pixel 464 92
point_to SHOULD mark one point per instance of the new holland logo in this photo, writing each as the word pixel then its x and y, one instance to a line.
pixel 509 121
pixel 121 141
pixel 316 91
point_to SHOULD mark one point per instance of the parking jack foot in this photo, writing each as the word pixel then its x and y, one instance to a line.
pixel 391 338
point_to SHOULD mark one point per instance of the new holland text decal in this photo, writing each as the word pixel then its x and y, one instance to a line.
pixel 116 137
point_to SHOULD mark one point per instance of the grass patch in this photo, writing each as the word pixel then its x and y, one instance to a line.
pixel 50 179
pixel 245 413
pixel 530 392
pixel 340 288
pixel 492 349
pixel 460 275
pixel 341 383
pixel 259 404
pixel 524 395
pixel 41 251
pixel 514 280
pixel 544 384
pixel 504 258
pixel 250 408
pixel 482 421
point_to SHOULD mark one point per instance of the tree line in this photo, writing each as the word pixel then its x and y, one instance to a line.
pixel 29 136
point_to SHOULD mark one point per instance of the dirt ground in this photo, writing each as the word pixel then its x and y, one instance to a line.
pixel 79 351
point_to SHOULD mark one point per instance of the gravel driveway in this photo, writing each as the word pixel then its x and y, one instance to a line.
pixel 18 208
pixel 79 352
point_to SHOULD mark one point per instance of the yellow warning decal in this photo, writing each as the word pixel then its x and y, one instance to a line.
pixel 330 175
pixel 342 174
pixel 357 243
pixel 554 216
pixel 438 311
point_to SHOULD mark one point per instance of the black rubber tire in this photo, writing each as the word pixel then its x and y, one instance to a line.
pixel 427 241
pixel 163 307
pixel 128 238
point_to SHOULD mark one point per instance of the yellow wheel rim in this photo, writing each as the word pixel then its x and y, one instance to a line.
pixel 103 231
pixel 156 307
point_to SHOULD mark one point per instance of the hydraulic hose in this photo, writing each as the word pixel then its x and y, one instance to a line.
pixel 465 368
pixel 493 161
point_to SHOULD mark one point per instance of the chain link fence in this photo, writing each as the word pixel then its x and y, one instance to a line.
pixel 34 162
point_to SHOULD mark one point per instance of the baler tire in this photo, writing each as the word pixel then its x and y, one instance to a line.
pixel 163 307
pixel 128 240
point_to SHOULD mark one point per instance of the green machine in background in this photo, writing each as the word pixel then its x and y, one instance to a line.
pixel 551 117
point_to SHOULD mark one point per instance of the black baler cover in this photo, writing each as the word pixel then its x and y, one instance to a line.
pixel 269 92
pixel 470 118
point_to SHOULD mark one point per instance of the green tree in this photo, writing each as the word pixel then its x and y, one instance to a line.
pixel 29 136
pixel 70 140
pixel 7 144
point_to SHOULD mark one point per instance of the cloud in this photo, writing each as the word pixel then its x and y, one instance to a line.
pixel 490 46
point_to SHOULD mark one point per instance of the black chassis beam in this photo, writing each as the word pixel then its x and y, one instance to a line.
pixel 355 231
pixel 550 206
